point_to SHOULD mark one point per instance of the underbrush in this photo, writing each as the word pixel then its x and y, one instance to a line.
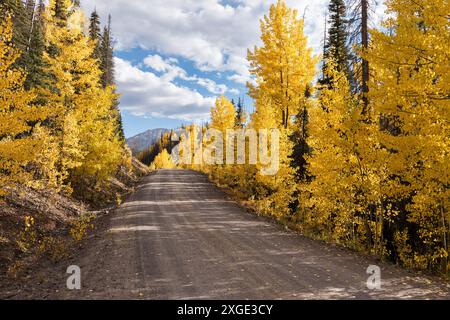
pixel 37 225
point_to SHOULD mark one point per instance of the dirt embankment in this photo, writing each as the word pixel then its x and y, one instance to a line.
pixel 42 225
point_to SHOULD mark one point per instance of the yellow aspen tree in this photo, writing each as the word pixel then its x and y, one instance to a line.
pixel 273 193
pixel 63 53
pixel 410 92
pixel 284 65
pixel 99 140
pixel 223 115
pixel 83 118
pixel 344 169
pixel 283 68
pixel 163 161
pixel 199 145
pixel 190 155
pixel 19 118
pixel 223 118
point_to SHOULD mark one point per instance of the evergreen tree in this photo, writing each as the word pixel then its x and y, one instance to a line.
pixel 17 10
pixel 107 56
pixel 60 9
pixel 336 43
pixel 359 36
pixel 34 63
pixel 365 77
pixel 299 138
pixel 241 115
pixel 107 78
pixel 95 33
pixel 118 121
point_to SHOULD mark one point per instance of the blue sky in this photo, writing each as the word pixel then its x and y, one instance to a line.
pixel 134 124
pixel 174 57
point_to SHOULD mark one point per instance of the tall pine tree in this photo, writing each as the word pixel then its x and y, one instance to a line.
pixel 17 10
pixel 359 36
pixel 241 115
pixel 95 34
pixel 107 77
pixel 336 44
pixel 107 56
pixel 34 63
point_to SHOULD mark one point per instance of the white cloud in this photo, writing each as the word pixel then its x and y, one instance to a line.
pixel 167 66
pixel 146 94
pixel 212 86
pixel 172 71
pixel 214 35
pixel 157 63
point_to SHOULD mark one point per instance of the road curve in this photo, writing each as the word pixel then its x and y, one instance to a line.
pixel 179 237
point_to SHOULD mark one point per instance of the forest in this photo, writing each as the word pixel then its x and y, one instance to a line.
pixel 60 123
pixel 364 148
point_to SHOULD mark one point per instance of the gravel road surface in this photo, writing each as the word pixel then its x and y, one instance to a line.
pixel 180 237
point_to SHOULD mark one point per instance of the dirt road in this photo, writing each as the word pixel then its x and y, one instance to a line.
pixel 179 237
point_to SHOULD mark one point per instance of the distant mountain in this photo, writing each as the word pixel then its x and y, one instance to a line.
pixel 145 140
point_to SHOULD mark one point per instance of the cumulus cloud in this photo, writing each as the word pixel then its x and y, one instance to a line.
pixel 146 94
pixel 215 34
pixel 156 62
pixel 168 67
pixel 212 34
pixel 212 86
pixel 172 71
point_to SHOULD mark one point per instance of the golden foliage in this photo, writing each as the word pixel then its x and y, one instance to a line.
pixel 376 180
pixel 81 226
pixel 410 93
pixel 19 144
pixel 284 65
pixel 83 123
pixel 163 161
